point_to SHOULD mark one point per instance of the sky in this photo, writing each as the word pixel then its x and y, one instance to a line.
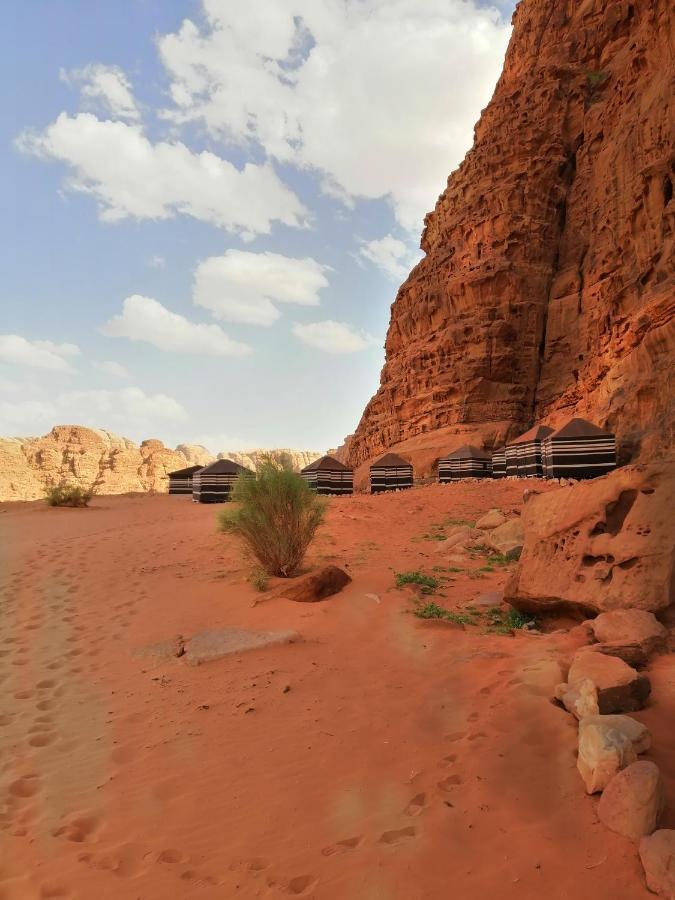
pixel 208 206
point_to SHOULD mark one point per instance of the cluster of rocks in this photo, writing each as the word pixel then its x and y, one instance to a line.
pixel 493 531
pixel 603 684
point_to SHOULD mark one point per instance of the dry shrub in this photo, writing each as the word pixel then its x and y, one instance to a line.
pixel 277 517
pixel 65 494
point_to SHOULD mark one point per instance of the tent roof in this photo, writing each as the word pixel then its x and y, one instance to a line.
pixel 468 451
pixel 225 467
pixel 390 460
pixel 190 470
pixel 536 433
pixel 326 463
pixel 579 428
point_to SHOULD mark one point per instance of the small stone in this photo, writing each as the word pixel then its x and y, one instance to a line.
pixel 637 627
pixel 657 854
pixel 492 519
pixel 608 744
pixel 506 538
pixel 619 687
pixel 633 800
pixel 285 689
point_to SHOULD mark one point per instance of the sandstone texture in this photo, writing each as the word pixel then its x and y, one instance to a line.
pixel 298 459
pixel 316 586
pixel 493 518
pixel 546 289
pixel 657 854
pixel 602 684
pixel 601 545
pixel 110 464
pixel 630 626
pixel 633 800
pixel 608 744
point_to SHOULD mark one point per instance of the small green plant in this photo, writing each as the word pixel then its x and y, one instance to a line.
pixel 498 559
pixel 595 79
pixel 486 569
pixel 427 583
pixel 258 579
pixel 449 522
pixel 277 516
pixel 478 548
pixel 435 536
pixel 454 569
pixel 434 611
pixel 502 622
pixel 65 494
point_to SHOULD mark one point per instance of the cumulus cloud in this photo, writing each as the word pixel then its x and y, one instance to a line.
pixel 333 337
pixel 18 351
pixel 107 86
pixel 131 177
pixel 390 255
pixel 110 367
pixel 378 96
pixel 145 319
pixel 244 287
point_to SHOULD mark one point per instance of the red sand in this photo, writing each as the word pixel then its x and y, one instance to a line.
pixel 407 760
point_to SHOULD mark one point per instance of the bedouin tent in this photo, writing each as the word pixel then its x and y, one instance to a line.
pixel 465 462
pixel 499 463
pixel 213 483
pixel 329 476
pixel 390 473
pixel 180 481
pixel 524 454
pixel 578 450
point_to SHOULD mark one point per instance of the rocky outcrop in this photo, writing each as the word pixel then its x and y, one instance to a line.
pixel 298 459
pixel 547 285
pixel 601 545
pixel 91 457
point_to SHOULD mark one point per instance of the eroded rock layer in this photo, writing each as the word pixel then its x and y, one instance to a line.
pixel 548 285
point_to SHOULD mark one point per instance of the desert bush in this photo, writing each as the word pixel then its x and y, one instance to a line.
pixel 277 516
pixel 258 579
pixel 427 583
pixel 432 610
pixel 65 494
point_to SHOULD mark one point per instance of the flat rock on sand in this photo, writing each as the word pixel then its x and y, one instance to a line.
pixel 629 626
pixel 219 642
pixel 602 684
pixel 657 853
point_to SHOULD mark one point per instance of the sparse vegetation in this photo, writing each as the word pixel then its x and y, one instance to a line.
pixel 258 579
pixel 65 494
pixel 427 583
pixel 595 79
pixel 432 610
pixel 478 548
pixel 504 622
pixel 448 522
pixel 277 516
pixel 498 559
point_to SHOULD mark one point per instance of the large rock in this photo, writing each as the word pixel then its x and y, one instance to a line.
pixel 657 854
pixel 630 627
pixel 492 519
pixel 546 286
pixel 633 800
pixel 608 744
pixel 507 538
pixel 602 684
pixel 316 586
pixel 601 545
pixel 217 643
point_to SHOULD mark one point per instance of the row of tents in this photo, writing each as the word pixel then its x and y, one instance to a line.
pixel 577 450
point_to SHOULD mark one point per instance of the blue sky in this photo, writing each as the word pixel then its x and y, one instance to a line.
pixel 209 207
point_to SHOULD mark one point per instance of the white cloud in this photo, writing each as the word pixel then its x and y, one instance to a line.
pixel 110 367
pixel 145 319
pixel 378 96
pixel 156 262
pixel 19 351
pixel 333 337
pixel 107 86
pixel 26 414
pixel 390 255
pixel 130 177
pixel 129 403
pixel 243 287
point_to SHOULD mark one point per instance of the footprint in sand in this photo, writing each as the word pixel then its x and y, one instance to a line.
pixel 342 846
pixel 455 736
pixel 416 805
pixel 301 884
pixel 398 835
pixel 447 784
pixel 78 827
pixel 447 761
pixel 25 787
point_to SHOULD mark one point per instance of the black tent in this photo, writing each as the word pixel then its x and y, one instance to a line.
pixel 180 481
pixel 390 473
pixel 499 463
pixel 465 462
pixel 578 450
pixel 213 483
pixel 524 454
pixel 329 476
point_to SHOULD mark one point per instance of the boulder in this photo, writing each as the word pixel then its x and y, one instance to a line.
pixel 316 586
pixel 608 744
pixel 597 683
pixel 629 627
pixel 657 854
pixel 507 538
pixel 601 545
pixel 492 519
pixel 632 654
pixel 633 800
pixel 219 642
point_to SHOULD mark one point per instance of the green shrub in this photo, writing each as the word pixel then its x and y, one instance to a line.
pixel 427 583
pixel 258 579
pixel 432 610
pixel 498 559
pixel 506 622
pixel 65 494
pixel 277 517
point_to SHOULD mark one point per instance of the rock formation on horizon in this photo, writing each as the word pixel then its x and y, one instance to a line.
pixel 92 457
pixel 548 285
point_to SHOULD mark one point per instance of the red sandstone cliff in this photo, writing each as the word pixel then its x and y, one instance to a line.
pixel 548 285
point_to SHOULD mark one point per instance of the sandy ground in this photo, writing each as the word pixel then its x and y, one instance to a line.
pixel 407 760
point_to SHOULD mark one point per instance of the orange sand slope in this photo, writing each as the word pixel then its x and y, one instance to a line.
pixel 407 760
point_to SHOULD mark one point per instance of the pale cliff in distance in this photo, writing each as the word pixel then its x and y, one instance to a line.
pixel 100 459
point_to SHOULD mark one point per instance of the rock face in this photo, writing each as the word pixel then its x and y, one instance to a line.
pixel 601 545
pixel 546 289
pixel 112 464
pixel 249 458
